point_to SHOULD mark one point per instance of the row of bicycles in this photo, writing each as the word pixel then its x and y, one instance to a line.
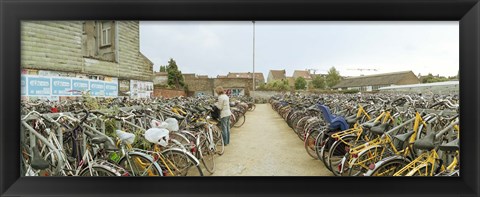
pixel 377 134
pixel 122 137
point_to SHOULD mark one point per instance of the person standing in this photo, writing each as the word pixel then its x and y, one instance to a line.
pixel 223 104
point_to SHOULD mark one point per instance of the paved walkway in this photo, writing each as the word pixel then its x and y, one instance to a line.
pixel 266 146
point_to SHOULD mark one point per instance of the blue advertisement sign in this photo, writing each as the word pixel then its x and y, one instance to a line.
pixel 79 85
pixel 23 85
pixel 111 89
pixel 55 87
pixel 97 88
pixel 61 87
pixel 39 86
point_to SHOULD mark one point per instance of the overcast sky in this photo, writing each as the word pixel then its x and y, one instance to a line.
pixel 216 48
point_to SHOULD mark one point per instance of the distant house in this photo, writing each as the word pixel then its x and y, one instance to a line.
pixel 374 82
pixel 315 75
pixel 259 79
pixel 274 75
pixel 302 73
pixel 291 81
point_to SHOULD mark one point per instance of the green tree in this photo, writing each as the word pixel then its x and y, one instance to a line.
pixel 432 79
pixel 318 82
pixel 175 77
pixel 300 83
pixel 163 68
pixel 333 77
pixel 277 85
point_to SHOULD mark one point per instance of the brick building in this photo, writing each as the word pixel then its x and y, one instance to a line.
pixel 95 50
pixel 200 85
pixel 259 79
pixel 160 78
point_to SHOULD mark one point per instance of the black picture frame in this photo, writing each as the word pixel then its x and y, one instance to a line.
pixel 465 11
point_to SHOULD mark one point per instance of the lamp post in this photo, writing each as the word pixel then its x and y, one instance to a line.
pixel 253 74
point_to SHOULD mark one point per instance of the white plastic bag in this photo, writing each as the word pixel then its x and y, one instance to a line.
pixel 172 124
pixel 157 136
pixel 158 124
pixel 125 137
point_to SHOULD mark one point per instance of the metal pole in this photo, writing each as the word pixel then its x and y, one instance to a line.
pixel 253 74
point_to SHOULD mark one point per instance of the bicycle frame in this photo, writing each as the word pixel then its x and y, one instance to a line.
pixel 383 144
pixel 428 159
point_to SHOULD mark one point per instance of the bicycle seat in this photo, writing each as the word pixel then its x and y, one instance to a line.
pixel 425 143
pixel 451 146
pixel 199 124
pixel 193 110
pixel 98 139
pixel 379 129
pixel 403 137
pixel 369 125
pixel 327 115
pixel 338 123
pixel 178 117
pixel 38 163
pixel 351 119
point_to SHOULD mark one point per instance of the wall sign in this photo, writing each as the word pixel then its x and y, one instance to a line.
pixel 97 88
pixel 53 86
pixel 79 85
pixel 23 85
pixel 61 87
pixel 39 86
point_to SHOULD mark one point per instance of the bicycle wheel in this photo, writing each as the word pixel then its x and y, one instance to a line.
pixel 99 170
pixel 240 121
pixel 207 155
pixel 140 165
pixel 319 142
pixel 252 107
pixel 218 140
pixel 300 127
pixel 180 164
pixel 364 161
pixel 337 152
pixel 309 143
pixel 388 168
pixel 325 152
pixel 180 138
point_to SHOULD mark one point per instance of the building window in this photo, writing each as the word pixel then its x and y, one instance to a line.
pixel 98 40
pixel 106 31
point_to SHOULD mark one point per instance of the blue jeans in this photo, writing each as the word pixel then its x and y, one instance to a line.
pixel 225 126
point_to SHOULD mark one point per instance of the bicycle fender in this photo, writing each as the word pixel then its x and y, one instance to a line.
pixel 384 160
pixel 415 169
pixel 150 159
pixel 354 160
pixel 347 136
pixel 343 162
pixel 184 152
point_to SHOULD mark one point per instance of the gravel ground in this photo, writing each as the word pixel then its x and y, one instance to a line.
pixel 266 146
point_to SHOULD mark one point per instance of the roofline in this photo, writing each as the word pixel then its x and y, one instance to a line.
pixel 149 61
pixel 443 83
pixel 381 74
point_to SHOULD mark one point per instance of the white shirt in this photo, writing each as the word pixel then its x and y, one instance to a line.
pixel 223 104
